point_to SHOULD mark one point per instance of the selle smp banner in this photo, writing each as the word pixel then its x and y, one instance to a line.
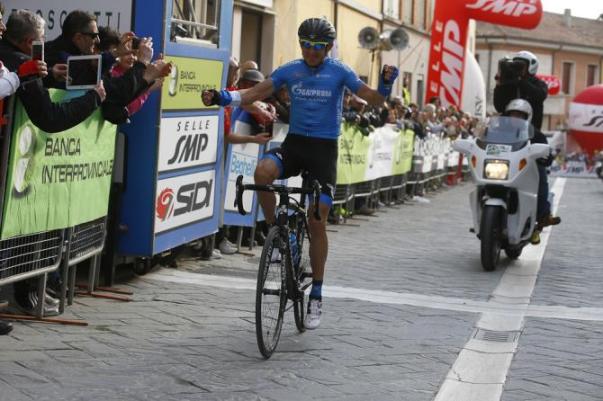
pixel 57 180
pixel 449 38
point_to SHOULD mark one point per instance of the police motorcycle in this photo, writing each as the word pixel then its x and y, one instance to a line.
pixel 503 165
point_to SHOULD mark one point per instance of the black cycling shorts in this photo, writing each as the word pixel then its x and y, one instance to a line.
pixel 317 156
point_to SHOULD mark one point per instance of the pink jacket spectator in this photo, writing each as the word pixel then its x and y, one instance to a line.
pixel 136 104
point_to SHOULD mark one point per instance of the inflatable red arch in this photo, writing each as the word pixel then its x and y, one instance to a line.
pixel 449 38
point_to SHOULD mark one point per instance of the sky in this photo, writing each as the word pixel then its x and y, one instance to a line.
pixel 580 8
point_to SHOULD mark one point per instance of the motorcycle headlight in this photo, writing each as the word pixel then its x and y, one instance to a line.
pixel 496 169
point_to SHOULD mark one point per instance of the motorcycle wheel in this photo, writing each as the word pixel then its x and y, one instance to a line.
pixel 490 234
pixel 513 253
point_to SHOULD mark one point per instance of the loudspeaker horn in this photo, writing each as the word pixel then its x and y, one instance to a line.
pixel 394 40
pixel 368 38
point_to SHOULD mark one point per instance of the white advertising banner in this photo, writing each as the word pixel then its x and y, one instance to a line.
pixel 183 200
pixel 187 142
pixel 381 152
pixel 114 13
pixel 244 158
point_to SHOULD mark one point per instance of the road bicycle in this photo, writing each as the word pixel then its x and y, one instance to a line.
pixel 284 271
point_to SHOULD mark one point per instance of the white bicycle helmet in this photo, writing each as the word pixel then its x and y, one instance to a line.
pixel 521 106
pixel 529 58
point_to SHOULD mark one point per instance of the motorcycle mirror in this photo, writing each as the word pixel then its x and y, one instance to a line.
pixel 462 145
pixel 539 150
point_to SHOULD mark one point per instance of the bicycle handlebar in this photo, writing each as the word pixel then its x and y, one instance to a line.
pixel 281 189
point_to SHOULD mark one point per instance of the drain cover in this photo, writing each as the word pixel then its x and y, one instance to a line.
pixel 497 336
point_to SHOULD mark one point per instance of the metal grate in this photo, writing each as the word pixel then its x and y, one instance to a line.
pixel 30 255
pixel 87 239
pixel 397 181
pixel 341 193
pixel 496 336
pixel 385 183
pixel 363 189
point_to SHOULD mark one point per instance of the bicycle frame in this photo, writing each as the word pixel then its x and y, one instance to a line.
pixel 282 219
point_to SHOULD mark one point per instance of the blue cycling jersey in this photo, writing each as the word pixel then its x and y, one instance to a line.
pixel 316 95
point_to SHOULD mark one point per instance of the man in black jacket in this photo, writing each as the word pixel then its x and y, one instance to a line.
pixel 517 79
pixel 22 28
pixel 80 36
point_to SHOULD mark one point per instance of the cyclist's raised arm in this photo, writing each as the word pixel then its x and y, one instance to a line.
pixel 259 92
pixel 386 80
pixel 238 98
pixel 370 95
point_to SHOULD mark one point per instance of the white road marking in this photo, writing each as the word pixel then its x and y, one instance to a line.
pixel 499 313
pixel 480 375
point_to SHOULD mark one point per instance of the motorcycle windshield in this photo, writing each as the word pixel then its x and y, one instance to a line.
pixel 506 130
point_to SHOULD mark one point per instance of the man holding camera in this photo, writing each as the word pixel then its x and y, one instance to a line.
pixel 516 78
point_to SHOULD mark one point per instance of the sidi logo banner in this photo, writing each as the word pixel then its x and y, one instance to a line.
pixel 183 200
pixel 114 13
pixel 187 142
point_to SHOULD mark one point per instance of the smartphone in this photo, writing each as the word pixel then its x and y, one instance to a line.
pixel 37 50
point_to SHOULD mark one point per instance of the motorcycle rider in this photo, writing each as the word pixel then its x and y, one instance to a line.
pixel 517 79
pixel 521 108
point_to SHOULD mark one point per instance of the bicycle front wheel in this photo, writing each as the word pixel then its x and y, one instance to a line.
pixel 271 294
pixel 302 267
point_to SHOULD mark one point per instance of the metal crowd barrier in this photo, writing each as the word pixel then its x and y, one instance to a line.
pixel 31 256
pixel 84 241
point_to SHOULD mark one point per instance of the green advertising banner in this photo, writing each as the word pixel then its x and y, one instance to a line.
pixel 57 180
pixel 353 151
pixel 403 152
pixel 189 77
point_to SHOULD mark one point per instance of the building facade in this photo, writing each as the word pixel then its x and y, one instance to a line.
pixel 567 47
pixel 266 31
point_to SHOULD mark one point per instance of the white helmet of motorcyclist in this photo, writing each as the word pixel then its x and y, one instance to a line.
pixel 521 106
pixel 530 59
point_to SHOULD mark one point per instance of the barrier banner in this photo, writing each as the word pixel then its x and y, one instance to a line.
pixel 241 159
pixel 403 153
pixel 449 38
pixel 57 180
pixel 352 158
pixel 381 152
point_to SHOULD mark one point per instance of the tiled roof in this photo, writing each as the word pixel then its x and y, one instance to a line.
pixel 552 29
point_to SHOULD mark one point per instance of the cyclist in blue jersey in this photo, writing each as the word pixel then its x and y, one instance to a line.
pixel 316 85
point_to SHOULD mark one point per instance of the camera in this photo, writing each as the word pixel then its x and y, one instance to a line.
pixel 135 43
pixel 510 71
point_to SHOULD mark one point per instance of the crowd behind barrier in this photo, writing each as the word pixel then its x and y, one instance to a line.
pixel 55 188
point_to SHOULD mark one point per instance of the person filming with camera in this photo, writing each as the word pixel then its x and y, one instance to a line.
pixel 517 78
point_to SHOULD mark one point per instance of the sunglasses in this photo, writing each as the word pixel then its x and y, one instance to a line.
pixel 307 44
pixel 92 35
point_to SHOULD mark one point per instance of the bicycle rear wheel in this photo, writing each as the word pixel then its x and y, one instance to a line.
pixel 271 294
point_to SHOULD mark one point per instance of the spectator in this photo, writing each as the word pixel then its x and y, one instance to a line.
pixel 432 124
pixel 22 28
pixel 80 36
pixel 248 65
pixel 246 127
pixel 123 64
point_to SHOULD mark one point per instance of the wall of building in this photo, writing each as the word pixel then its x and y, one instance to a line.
pixel 279 36
pixel 349 24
